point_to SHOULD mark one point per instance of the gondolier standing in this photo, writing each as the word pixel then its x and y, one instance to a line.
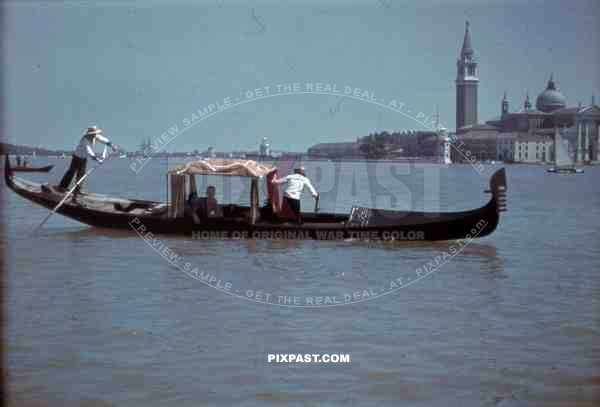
pixel 79 160
pixel 296 183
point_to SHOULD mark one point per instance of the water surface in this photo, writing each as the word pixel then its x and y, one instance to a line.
pixel 96 317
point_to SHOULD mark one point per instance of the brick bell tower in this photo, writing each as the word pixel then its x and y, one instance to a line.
pixel 467 82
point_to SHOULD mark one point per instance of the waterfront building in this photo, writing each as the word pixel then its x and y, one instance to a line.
pixel 525 148
pixel 526 135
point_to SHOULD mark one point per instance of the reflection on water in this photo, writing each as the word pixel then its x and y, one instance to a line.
pixel 86 232
pixel 96 317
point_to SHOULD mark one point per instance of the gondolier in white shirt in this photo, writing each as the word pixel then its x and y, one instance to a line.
pixel 79 160
pixel 296 183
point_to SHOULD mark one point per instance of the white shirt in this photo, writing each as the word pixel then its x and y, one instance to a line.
pixel 86 147
pixel 295 185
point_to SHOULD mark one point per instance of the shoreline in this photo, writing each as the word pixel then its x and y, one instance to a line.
pixel 401 160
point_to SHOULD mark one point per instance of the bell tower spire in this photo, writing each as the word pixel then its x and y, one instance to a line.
pixel 467 82
pixel 504 104
pixel 467 48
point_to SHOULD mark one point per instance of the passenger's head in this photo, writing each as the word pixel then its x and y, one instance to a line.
pixel 299 170
pixel 211 191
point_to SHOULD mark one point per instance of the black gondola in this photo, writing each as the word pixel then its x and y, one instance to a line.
pixel 267 222
pixel 29 168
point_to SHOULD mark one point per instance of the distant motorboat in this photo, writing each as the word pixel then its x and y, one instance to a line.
pixel 565 170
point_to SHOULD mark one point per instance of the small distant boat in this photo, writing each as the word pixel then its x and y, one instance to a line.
pixel 563 164
pixel 565 170
pixel 28 168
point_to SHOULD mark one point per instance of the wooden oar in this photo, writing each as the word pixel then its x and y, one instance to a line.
pixel 65 198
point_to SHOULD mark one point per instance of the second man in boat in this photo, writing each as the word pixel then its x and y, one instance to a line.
pixel 296 183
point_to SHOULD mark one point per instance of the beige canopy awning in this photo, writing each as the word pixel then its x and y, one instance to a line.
pixel 241 168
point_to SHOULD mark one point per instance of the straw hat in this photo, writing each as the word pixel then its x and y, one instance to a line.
pixel 93 131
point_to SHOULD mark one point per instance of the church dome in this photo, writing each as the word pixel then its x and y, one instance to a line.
pixel 550 99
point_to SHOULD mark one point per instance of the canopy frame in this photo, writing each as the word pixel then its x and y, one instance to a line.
pixel 221 167
pixel 240 168
pixel 180 189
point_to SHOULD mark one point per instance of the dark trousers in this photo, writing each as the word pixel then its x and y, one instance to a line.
pixel 77 167
pixel 294 205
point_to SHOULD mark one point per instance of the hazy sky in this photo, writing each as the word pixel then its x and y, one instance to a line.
pixel 140 68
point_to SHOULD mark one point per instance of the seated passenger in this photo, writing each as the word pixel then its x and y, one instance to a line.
pixel 212 206
pixel 207 207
